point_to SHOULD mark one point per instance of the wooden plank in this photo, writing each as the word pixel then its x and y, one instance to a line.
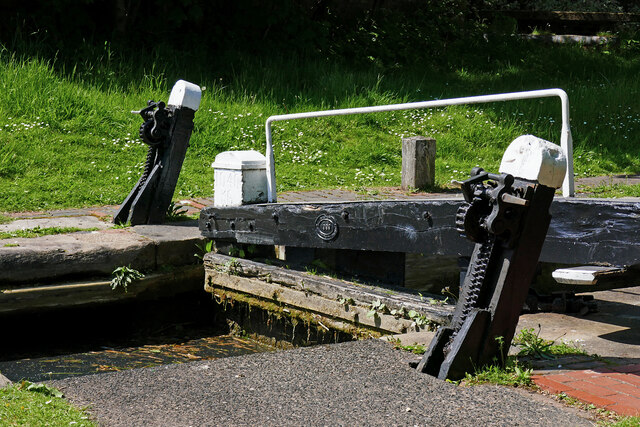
pixel 582 231
pixel 305 301
pixel 586 274
pixel 391 226
pixel 315 293
pixel 418 162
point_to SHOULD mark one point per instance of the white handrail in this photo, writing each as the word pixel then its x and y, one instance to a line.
pixel 566 141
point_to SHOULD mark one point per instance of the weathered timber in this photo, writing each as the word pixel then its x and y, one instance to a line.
pixel 99 291
pixel 583 231
pixel 334 298
pixel 283 326
pixel 391 226
pixel 418 162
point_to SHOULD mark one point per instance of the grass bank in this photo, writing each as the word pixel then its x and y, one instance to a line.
pixel 68 139
pixel 38 405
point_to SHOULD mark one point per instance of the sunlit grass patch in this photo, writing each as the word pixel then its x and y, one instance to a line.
pixel 39 405
pixel 612 190
pixel 68 139
pixel 39 232
pixel 512 375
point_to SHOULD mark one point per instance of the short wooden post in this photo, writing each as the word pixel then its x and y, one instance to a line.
pixel 418 162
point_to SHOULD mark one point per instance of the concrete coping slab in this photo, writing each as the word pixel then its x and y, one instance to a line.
pixel 83 222
pixel 48 258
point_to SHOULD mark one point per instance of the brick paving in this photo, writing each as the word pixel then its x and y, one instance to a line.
pixel 615 388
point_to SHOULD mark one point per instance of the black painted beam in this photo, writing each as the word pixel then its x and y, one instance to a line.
pixel 582 231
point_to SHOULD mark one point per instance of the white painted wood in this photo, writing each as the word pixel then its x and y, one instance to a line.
pixel 185 94
pixel 584 275
pixel 239 178
pixel 532 158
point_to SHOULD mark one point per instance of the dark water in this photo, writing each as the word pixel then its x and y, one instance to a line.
pixel 62 343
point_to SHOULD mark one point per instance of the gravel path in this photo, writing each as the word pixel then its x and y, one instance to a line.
pixel 356 383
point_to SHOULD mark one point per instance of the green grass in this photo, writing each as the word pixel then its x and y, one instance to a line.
pixel 413 348
pixel 511 375
pixel 68 139
pixel 19 406
pixel 614 190
pixel 39 232
pixel 627 422
pixel 530 344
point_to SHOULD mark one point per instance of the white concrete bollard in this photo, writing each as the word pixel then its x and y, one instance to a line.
pixel 534 159
pixel 239 178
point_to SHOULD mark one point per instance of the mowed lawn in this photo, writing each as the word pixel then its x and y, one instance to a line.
pixel 68 138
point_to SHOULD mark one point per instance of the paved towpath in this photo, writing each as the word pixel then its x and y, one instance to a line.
pixel 356 383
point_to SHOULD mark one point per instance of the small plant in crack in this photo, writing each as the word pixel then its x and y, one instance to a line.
pixel 235 251
pixel 346 301
pixel 124 276
pixel 399 312
pixel 530 344
pixel 376 308
pixel 176 212
pixel 419 320
pixel 203 249
pixel 232 266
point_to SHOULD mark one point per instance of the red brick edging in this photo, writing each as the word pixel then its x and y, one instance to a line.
pixel 616 388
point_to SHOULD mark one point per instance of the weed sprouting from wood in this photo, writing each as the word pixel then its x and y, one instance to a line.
pixel 376 308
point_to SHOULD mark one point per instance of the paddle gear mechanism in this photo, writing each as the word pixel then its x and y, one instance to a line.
pixel 507 218
pixel 166 130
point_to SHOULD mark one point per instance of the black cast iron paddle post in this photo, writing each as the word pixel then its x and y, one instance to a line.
pixel 166 130
pixel 507 218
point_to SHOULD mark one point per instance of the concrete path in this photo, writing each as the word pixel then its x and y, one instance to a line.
pixel 356 384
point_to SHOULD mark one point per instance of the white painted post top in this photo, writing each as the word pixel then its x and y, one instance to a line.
pixel 185 94
pixel 240 160
pixel 532 158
